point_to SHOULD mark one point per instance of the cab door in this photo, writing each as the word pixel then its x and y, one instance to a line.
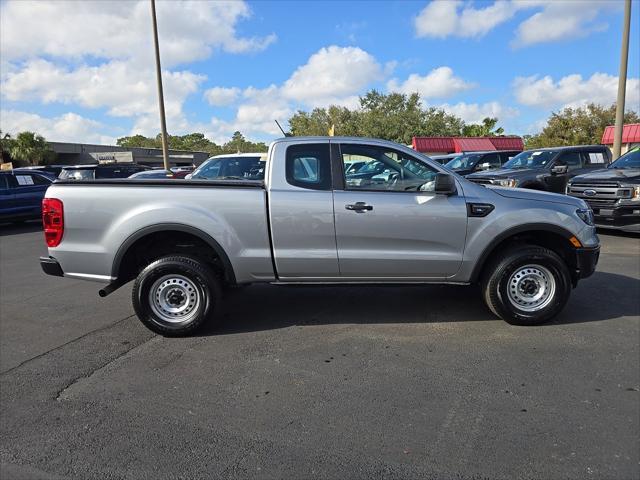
pixel 391 225
pixel 300 206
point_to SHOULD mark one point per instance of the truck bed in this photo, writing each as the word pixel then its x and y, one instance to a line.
pixel 103 215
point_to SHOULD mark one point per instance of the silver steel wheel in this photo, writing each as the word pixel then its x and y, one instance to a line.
pixel 174 299
pixel 531 288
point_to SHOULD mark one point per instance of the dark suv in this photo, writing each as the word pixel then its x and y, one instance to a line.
pixel 547 169
pixel 612 193
pixel 101 171
pixel 466 163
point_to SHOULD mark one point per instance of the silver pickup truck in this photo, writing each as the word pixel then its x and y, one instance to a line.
pixel 398 218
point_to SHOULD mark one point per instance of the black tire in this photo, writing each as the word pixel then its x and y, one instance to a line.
pixel 181 283
pixel 504 285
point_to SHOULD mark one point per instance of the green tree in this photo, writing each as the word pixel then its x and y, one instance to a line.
pixel 393 116
pixel 485 129
pixel 31 149
pixel 577 126
pixel 5 144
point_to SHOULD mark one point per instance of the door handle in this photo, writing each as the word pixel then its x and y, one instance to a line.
pixel 359 207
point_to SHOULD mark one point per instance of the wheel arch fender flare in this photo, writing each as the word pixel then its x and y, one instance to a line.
pixel 488 251
pixel 205 237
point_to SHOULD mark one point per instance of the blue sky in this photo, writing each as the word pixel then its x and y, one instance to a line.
pixel 88 76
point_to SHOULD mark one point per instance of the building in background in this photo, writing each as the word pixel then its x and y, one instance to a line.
pixel 630 137
pixel 445 145
pixel 81 153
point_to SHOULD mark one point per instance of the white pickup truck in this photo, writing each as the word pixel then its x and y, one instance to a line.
pixel 398 218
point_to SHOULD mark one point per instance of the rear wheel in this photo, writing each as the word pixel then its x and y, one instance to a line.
pixel 175 295
pixel 528 285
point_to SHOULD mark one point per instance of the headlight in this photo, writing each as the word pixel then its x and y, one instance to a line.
pixel 586 215
pixel 507 182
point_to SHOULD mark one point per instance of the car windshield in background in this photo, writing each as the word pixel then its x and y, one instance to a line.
pixel 232 168
pixel 76 174
pixel 531 159
pixel 463 162
pixel 628 160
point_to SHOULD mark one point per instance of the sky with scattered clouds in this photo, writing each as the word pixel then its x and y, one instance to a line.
pixel 84 71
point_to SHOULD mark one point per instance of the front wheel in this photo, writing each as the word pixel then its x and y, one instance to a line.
pixel 175 295
pixel 528 285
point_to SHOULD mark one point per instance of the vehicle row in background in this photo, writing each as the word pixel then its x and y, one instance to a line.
pixel 21 194
pixel 612 193
pixel 546 169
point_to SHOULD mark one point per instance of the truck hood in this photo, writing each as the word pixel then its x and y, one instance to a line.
pixel 505 173
pixel 537 196
pixel 626 175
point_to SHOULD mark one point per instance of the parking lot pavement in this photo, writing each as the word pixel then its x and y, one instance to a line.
pixel 392 382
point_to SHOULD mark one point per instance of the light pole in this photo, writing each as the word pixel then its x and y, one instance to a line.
pixel 163 122
pixel 622 80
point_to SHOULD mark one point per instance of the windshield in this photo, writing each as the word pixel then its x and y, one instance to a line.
pixel 628 160
pixel 463 162
pixel 531 159
pixel 77 174
pixel 231 168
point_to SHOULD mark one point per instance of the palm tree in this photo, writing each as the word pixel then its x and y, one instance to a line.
pixel 28 147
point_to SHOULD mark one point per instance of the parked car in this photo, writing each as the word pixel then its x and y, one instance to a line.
pixel 240 166
pixel 305 222
pixel 444 159
pixel 466 163
pixel 27 170
pixel 152 174
pixel 51 170
pixel 101 171
pixel 613 193
pixel 547 169
pixel 21 194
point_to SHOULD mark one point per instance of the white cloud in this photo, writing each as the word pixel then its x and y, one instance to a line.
pixel 561 20
pixel 438 83
pixel 188 31
pixel 221 96
pixel 331 74
pixel 441 19
pixel 554 20
pixel 476 112
pixel 573 91
pixel 69 127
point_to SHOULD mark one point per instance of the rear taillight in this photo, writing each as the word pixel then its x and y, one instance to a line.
pixel 52 221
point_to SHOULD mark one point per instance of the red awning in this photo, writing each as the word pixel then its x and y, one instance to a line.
pixel 630 134
pixel 433 144
pixel 472 144
pixel 507 143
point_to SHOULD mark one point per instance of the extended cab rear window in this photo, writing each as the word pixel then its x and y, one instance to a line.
pixel 308 166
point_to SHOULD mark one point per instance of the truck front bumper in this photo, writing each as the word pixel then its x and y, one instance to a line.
pixel 50 266
pixel 586 261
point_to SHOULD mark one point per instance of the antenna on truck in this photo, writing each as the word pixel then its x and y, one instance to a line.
pixel 282 130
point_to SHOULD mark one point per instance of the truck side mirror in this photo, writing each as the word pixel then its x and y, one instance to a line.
pixel 445 184
pixel 559 169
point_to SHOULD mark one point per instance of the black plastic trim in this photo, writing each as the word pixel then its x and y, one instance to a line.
pixel 471 212
pixel 50 266
pixel 586 261
pixel 230 276
pixel 168 182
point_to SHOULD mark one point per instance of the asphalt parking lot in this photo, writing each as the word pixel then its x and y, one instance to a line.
pixel 387 382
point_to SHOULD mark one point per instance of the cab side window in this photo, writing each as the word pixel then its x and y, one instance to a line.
pixel 384 169
pixel 573 160
pixel 3 182
pixel 493 159
pixel 308 166
pixel 595 160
